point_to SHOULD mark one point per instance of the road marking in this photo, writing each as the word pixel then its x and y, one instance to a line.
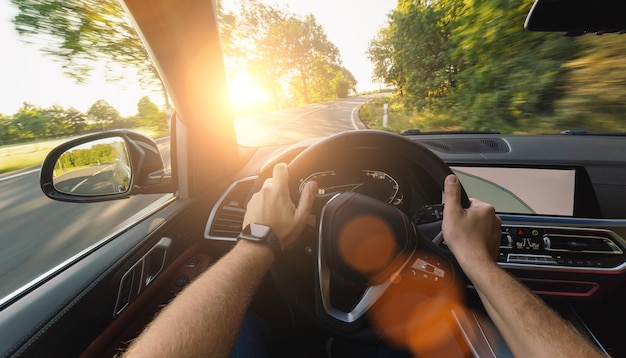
pixel 353 118
pixel 20 174
pixel 77 185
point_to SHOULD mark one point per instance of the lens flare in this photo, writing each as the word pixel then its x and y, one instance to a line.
pixel 423 319
pixel 367 244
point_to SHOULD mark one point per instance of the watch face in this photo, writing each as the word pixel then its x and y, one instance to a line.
pixel 263 234
pixel 257 230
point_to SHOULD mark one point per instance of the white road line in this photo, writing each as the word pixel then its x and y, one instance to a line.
pixel 353 118
pixel 20 174
pixel 77 185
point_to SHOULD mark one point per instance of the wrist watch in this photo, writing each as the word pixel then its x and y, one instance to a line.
pixel 262 234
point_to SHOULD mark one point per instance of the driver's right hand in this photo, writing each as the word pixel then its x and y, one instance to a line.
pixel 272 206
pixel 472 234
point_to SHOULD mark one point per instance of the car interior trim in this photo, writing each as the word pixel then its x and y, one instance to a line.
pixel 479 346
pixel 591 287
pixel 564 220
pixel 48 311
pixel 539 267
pixel 141 274
pixel 218 206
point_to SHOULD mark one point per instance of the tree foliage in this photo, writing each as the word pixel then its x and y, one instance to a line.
pixel 32 123
pixel 82 33
pixel 78 33
pixel 104 114
pixel 473 63
pixel 150 116
pixel 97 154
pixel 291 55
pixel 291 51
pixel 596 86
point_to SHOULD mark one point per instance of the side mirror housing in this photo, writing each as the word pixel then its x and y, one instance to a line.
pixel 104 166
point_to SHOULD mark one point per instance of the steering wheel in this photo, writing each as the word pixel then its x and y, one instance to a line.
pixel 359 245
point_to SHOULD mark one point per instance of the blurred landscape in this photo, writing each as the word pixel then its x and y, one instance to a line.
pixel 459 65
pixel 448 65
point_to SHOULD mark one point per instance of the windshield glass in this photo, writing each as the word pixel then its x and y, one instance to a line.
pixel 429 65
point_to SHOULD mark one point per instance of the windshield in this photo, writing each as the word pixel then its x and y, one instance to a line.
pixel 429 65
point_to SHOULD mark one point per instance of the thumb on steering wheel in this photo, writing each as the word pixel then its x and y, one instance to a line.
pixel 452 195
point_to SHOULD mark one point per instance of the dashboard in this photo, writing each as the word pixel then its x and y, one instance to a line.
pixel 374 183
pixel 559 197
pixel 560 200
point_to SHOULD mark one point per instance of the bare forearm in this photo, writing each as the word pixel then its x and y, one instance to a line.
pixel 529 326
pixel 205 318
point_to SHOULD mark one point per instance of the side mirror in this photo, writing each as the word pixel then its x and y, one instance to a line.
pixel 104 166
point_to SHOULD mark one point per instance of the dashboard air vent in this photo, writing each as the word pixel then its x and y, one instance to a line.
pixel 226 217
pixel 574 243
pixel 467 145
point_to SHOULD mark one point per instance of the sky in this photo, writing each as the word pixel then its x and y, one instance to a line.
pixel 27 75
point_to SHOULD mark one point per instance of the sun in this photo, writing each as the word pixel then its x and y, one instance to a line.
pixel 246 94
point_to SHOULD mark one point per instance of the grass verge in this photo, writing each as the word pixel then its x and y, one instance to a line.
pixel 20 156
pixel 401 117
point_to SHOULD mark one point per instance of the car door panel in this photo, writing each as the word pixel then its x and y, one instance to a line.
pixel 79 301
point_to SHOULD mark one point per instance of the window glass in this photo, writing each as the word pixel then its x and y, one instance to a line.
pixel 49 95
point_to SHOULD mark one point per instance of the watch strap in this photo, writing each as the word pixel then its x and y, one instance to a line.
pixel 274 243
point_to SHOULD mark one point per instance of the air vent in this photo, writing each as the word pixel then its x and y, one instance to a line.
pixel 575 243
pixel 467 145
pixel 227 215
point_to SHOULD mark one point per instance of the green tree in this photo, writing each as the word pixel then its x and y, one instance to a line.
pixel 506 75
pixel 471 62
pixel 29 123
pixel 380 52
pixel 423 65
pixel 150 116
pixel 76 121
pixel 6 130
pixel 105 115
pixel 344 83
pixel 281 47
pixel 64 121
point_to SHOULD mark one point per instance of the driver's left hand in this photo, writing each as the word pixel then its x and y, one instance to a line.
pixel 272 206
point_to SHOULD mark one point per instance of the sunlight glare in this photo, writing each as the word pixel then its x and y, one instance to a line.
pixel 246 94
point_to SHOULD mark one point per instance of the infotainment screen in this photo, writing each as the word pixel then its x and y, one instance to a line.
pixel 521 190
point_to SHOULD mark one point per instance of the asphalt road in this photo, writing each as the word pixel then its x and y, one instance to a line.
pixel 37 233
pixel 293 124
